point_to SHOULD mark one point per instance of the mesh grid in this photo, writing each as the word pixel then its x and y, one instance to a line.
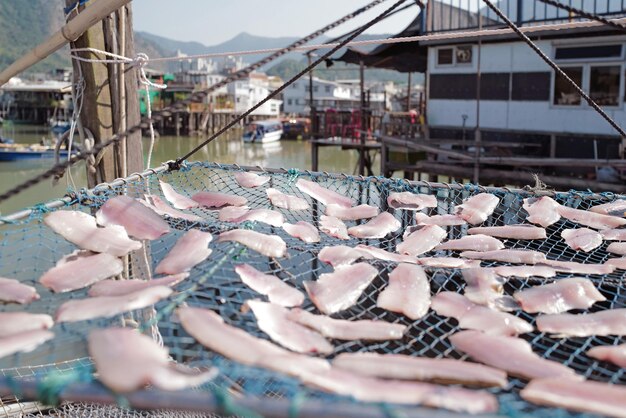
pixel 28 248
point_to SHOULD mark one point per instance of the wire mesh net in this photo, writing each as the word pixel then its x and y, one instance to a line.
pixel 28 248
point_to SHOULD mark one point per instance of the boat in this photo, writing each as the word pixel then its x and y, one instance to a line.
pixel 262 132
pixel 18 152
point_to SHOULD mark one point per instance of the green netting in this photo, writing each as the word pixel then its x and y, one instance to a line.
pixel 28 248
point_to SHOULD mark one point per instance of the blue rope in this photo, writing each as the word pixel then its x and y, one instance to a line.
pixel 50 387
pixel 74 5
pixel 295 404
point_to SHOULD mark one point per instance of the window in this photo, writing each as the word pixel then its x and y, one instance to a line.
pixel 464 54
pixel 596 51
pixel 564 93
pixel 315 88
pixel 327 89
pixel 604 85
pixel 307 89
pixel 445 56
pixel 294 86
pixel 289 102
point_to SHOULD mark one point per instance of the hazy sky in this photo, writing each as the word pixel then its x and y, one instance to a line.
pixel 214 21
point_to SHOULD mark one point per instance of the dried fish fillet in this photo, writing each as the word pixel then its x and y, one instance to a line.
pixel 250 180
pixel 15 322
pixel 411 201
pixel 368 252
pixel 447 262
pixel 408 292
pixel 521 231
pixel 323 194
pixel 560 296
pixel 342 329
pixel 594 397
pixel 302 230
pixel 525 271
pixel 485 287
pixel 615 354
pixel 239 214
pixel 339 255
pixel 274 321
pixel 334 227
pixel 613 234
pixel 579 268
pixel 127 361
pixel 477 317
pixel 616 263
pixel 478 208
pixel 138 220
pixel 107 306
pixel 159 206
pixel 218 200
pixel 377 227
pixel 422 241
pixel 472 243
pixel 112 287
pixel 285 201
pixel 441 220
pixel 79 270
pixel 82 230
pixel 603 323
pixel 268 245
pixel 23 342
pixel 583 239
pixel 404 367
pixel 176 199
pixel 507 256
pixel 276 290
pixel 618 248
pixel 542 211
pixel 189 251
pixel 616 208
pixel 12 291
pixel 591 219
pixel 341 289
pixel 354 213
pixel 510 354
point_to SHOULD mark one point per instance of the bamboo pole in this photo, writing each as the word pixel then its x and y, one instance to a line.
pixel 92 14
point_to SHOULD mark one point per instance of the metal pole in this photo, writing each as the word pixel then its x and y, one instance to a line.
pixel 362 147
pixel 408 94
pixel 313 110
pixel 477 137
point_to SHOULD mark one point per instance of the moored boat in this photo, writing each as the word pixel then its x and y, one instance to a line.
pixel 262 132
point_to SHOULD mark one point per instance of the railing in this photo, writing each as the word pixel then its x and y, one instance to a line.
pixel 454 15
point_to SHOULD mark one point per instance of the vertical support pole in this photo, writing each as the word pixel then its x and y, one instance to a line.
pixel 408 93
pixel 520 12
pixel 477 137
pixel 314 156
pixel 362 136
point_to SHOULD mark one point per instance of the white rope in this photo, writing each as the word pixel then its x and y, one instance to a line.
pixel 116 59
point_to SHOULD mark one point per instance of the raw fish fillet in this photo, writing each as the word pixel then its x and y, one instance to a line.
pixel 485 287
pixel 473 316
pixel 525 271
pixel 23 342
pixel 478 208
pixel 82 230
pixel 268 245
pixel 411 201
pixel 334 227
pixel 613 234
pixel 472 243
pixel 176 199
pixel 441 220
pixel 351 214
pixel 241 214
pixel 579 268
pixel 112 287
pixel 448 262
pixel 189 251
pixel 339 290
pixel 159 206
pixel 250 180
pixel 611 322
pixel 422 241
pixel 302 230
pixel 339 255
pixel 404 367
pixel 510 354
pixel 507 256
pixel 542 211
pixel 323 194
pixel 342 329
pixel 16 322
pixel 615 354
pixel 560 296
pixel 378 227
pixel 274 320
pixel 618 248
pixel 591 219
pixel 370 389
pixel 616 208
pixel 583 239
pixel 107 306
pixel 408 292
pixel 81 269
pixel 218 200
pixel 521 231
pixel 286 201
pixel 139 221
pixel 369 252
pixel 127 361
pixel 13 291
pixel 587 396
pixel 276 290
pixel 616 263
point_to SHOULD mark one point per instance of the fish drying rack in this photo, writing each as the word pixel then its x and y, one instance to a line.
pixel 28 248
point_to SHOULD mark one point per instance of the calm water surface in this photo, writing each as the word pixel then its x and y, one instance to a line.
pixel 227 150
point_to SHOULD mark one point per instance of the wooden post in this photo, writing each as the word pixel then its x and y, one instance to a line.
pixel 408 93
pixel 362 136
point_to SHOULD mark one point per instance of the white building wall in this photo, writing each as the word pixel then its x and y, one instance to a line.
pixel 520 115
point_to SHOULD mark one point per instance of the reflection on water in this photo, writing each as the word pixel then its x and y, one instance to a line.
pixel 227 150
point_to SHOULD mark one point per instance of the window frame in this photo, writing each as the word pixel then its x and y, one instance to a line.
pixel 583 83
pixel 452 64
pixel 620 88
